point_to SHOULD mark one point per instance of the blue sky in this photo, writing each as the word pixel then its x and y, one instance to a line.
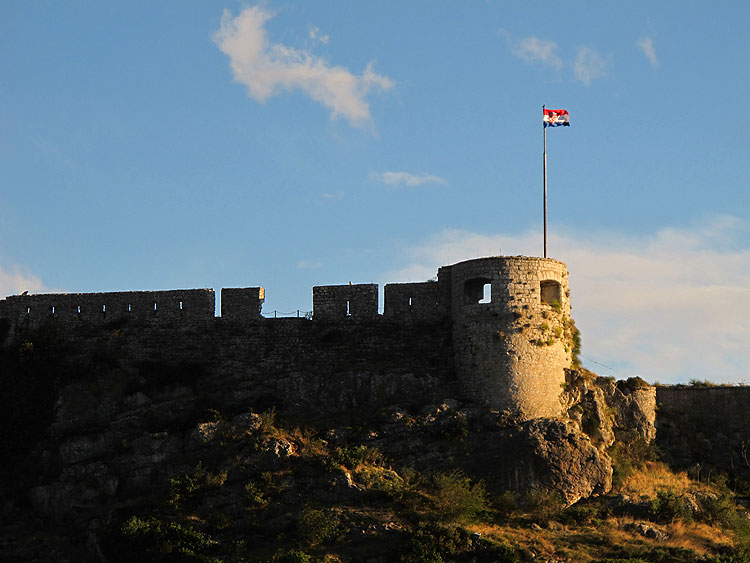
pixel 158 145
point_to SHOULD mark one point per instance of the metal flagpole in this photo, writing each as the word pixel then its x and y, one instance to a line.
pixel 544 159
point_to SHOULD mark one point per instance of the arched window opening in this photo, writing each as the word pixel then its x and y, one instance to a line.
pixel 550 293
pixel 478 290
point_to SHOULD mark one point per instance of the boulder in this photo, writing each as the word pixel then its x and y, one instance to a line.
pixel 553 454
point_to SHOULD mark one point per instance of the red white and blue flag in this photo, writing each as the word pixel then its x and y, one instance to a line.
pixel 556 118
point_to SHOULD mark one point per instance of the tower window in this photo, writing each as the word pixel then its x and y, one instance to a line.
pixel 550 292
pixel 478 290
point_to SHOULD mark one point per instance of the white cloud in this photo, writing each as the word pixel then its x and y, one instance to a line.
pixel 309 265
pixel 590 65
pixel 669 306
pixel 534 49
pixel 587 67
pixel 406 178
pixel 646 44
pixel 316 36
pixel 14 281
pixel 269 68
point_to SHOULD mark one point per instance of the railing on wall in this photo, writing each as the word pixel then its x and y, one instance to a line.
pixel 299 314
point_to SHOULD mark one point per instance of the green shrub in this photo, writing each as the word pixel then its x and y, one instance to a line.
pixel 544 504
pixel 292 556
pixel 432 543
pixel 580 514
pixel 184 488
pixel 351 457
pixel 670 507
pixel 318 525
pixel 153 539
pixel 506 504
pixel 457 499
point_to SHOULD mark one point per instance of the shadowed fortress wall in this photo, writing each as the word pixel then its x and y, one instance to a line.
pixel 494 327
pixel 494 330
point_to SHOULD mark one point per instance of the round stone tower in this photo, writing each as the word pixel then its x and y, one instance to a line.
pixel 513 336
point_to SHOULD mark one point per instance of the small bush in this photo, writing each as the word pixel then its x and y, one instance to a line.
pixel 580 514
pixel 268 421
pixel 317 525
pixel 544 504
pixel 351 457
pixel 457 500
pixel 506 504
pixel 185 487
pixel 431 543
pixel 292 556
pixel 153 539
pixel 669 507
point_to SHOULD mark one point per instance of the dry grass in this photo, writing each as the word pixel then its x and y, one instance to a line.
pixel 307 444
pixel 654 477
pixel 608 538
pixel 701 538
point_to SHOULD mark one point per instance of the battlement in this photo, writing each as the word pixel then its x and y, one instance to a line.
pixel 242 303
pixel 359 301
pixel 507 317
pixel 101 308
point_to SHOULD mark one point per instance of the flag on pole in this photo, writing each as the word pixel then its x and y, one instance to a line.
pixel 556 118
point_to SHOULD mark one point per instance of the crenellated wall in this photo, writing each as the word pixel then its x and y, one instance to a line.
pixel 414 301
pixel 334 302
pixel 504 316
pixel 101 308
pixel 242 303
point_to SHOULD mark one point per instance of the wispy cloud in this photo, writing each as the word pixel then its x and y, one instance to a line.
pixel 328 196
pixel 268 68
pixel 533 49
pixel 406 178
pixel 14 280
pixel 668 306
pixel 646 44
pixel 309 265
pixel 315 35
pixel 590 65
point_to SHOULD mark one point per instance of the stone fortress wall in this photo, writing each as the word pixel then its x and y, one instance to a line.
pixel 509 353
pixel 494 330
pixel 506 354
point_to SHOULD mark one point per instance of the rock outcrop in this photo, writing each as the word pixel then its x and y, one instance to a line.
pixel 555 455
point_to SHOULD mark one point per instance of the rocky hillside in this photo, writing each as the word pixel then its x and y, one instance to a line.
pixel 108 459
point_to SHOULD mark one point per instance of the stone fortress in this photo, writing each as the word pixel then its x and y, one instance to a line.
pixel 508 320
pixel 496 332
pixel 493 334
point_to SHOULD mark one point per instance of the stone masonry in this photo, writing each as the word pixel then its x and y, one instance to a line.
pixel 505 318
